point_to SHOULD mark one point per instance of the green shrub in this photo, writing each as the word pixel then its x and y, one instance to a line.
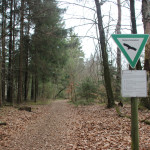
pixel 87 89
pixel 83 102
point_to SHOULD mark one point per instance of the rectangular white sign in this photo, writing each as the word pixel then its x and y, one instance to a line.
pixel 134 83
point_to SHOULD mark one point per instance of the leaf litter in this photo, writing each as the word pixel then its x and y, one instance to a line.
pixel 61 126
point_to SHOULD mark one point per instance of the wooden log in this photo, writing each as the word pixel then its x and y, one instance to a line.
pixel 3 123
pixel 26 108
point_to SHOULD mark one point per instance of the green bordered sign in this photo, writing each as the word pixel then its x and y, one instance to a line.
pixel 131 45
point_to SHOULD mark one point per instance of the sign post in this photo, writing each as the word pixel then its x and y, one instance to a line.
pixel 131 46
pixel 134 124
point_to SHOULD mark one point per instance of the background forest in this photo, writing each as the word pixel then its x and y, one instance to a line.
pixel 41 59
pixel 35 50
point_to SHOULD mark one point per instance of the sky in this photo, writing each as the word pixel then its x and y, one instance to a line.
pixel 80 15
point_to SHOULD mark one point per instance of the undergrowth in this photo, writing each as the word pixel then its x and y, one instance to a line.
pixel 39 102
pixel 83 102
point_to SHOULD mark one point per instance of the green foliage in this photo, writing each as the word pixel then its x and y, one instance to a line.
pixel 145 102
pixel 39 102
pixel 75 61
pixel 51 61
pixel 48 52
pixel 83 102
pixel 87 89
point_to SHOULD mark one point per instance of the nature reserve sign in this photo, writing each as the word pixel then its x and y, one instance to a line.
pixel 131 46
pixel 134 83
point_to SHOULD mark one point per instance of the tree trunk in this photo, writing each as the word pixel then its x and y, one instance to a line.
pixel 0 78
pixel 9 86
pixel 13 50
pixel 3 49
pixel 32 88
pixel 105 57
pixel 36 88
pixel 26 63
pixel 146 23
pixel 134 30
pixel 19 99
pixel 26 84
pixel 134 101
pixel 118 31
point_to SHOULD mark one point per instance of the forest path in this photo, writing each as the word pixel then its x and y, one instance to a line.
pixel 62 126
pixel 49 132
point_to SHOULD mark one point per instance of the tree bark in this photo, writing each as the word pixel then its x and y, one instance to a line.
pixel 13 50
pixel 134 101
pixel 105 57
pixel 3 49
pixel 9 86
pixel 19 99
pixel 146 23
pixel 0 78
pixel 36 88
pixel 26 63
pixel 118 31
pixel 32 88
pixel 134 29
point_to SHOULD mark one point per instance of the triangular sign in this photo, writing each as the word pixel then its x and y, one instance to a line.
pixel 131 45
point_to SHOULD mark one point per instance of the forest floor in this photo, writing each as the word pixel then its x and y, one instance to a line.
pixel 62 126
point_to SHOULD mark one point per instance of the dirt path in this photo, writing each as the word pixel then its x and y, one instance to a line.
pixel 49 132
pixel 61 126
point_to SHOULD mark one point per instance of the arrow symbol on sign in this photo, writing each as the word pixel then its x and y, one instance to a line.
pixel 129 47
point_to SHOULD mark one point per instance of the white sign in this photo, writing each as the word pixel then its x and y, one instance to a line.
pixel 134 83
pixel 131 46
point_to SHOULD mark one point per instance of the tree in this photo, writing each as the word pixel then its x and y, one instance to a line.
pixel 27 43
pixel 146 23
pixel 3 50
pixel 10 85
pixel 40 54
pixel 134 101
pixel 104 56
pixel 118 31
pixel 19 98
pixel 74 64
pixel 88 89
pixel 47 53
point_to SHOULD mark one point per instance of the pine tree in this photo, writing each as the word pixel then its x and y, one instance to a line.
pixel 3 36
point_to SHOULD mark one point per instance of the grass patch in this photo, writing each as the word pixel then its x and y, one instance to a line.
pixel 38 102
pixel 83 102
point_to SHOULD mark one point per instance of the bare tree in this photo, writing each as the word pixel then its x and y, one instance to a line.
pixel 118 31
pixel 146 23
pixel 134 101
pixel 104 56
